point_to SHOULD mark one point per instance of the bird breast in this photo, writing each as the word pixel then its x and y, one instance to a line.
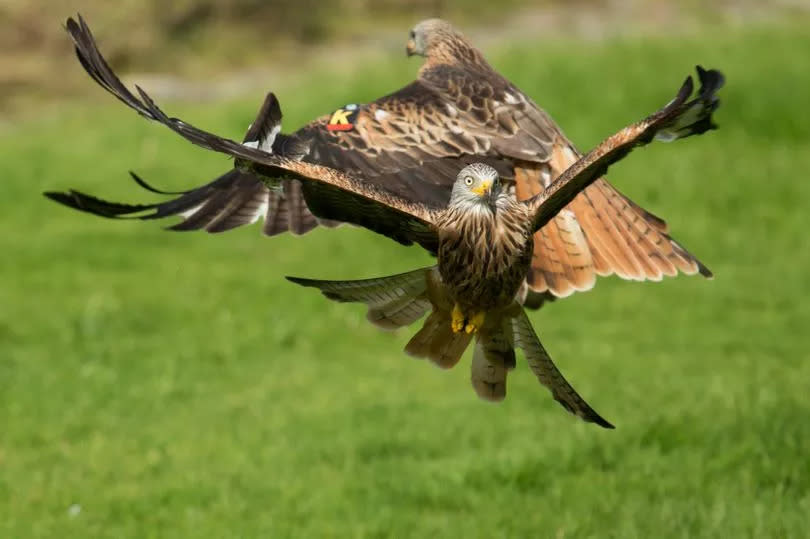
pixel 484 253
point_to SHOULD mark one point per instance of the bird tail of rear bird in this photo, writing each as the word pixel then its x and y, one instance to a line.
pixel 393 302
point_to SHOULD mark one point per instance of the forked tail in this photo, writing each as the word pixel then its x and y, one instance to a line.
pixel 399 300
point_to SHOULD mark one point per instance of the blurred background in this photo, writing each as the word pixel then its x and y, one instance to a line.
pixel 165 384
pixel 233 45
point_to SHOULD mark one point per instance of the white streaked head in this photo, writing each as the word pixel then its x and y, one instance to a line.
pixel 477 183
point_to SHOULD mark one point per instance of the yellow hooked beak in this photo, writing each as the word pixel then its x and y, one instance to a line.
pixel 482 189
pixel 410 47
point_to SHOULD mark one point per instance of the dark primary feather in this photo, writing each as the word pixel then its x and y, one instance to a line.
pixel 233 199
pixel 140 181
pixel 267 120
pixel 678 119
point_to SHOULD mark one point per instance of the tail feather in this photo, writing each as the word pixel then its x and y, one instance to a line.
pixel 437 342
pixel 397 301
pixel 393 302
pixel 493 358
pixel 562 262
pixel 398 313
pixel 548 374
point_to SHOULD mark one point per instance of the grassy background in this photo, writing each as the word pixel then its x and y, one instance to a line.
pixel 156 384
pixel 195 38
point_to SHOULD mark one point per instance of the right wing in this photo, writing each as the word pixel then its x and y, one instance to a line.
pixel 420 135
pixel 336 194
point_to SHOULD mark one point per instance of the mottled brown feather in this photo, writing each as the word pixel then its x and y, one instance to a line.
pixel 562 261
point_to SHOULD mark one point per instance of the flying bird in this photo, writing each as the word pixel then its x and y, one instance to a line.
pixel 412 142
pixel 482 235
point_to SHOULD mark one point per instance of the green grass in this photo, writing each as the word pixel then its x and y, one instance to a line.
pixel 174 385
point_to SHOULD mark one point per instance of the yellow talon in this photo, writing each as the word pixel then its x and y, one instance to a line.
pixel 475 323
pixel 457 321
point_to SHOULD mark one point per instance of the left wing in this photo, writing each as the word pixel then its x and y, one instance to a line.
pixel 678 119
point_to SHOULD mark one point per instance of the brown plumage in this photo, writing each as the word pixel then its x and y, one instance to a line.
pixel 413 142
pixel 493 237
pixel 482 235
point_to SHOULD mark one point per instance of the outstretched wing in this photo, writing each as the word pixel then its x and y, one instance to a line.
pixel 678 119
pixel 417 137
pixel 336 195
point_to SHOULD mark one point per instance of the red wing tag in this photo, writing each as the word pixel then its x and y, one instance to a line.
pixel 343 118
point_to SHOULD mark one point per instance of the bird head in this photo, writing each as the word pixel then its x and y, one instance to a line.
pixel 428 36
pixel 476 183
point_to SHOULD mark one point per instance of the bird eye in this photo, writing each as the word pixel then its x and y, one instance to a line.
pixel 412 34
pixel 468 180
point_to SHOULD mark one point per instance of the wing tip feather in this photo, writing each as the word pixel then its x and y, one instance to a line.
pixel 704 271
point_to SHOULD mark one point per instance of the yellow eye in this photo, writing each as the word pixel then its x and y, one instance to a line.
pixel 468 180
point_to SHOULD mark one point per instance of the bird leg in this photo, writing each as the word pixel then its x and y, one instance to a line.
pixel 460 323
pixel 475 322
pixel 457 319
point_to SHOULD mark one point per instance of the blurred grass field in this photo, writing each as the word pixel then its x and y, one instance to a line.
pixel 157 384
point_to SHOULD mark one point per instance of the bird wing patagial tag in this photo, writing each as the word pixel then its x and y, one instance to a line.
pixel 343 118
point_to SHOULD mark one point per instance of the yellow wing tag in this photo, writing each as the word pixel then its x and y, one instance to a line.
pixel 343 118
